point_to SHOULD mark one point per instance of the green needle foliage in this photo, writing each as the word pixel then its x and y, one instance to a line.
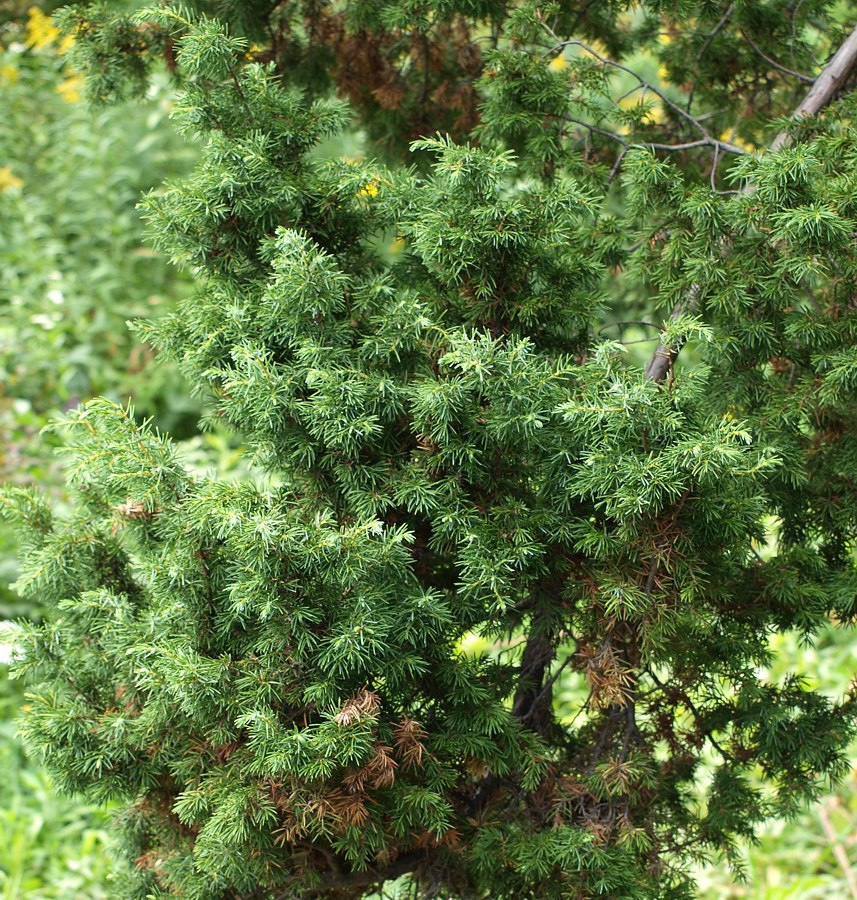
pixel 269 672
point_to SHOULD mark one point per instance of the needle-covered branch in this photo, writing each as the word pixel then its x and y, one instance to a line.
pixel 824 89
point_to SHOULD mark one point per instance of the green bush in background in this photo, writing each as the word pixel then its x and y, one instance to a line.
pixel 72 258
pixel 74 266
pixel 50 846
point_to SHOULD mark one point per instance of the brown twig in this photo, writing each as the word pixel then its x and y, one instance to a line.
pixel 838 850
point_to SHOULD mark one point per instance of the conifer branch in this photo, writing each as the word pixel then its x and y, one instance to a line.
pixel 823 91
pixel 825 88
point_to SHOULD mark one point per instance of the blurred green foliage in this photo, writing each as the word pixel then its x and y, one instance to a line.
pixel 73 261
pixel 74 267
pixel 74 264
pixel 50 846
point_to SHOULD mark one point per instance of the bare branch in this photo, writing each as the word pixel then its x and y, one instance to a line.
pixel 807 79
pixel 663 358
pixel 595 129
pixel 826 87
pixel 718 145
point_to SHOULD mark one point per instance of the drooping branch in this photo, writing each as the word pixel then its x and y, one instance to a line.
pixel 707 141
pixel 826 87
pixel 806 79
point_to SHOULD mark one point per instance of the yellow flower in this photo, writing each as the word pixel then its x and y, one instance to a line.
pixel 65 44
pixel 397 245
pixel 370 189
pixel 473 644
pixel 41 32
pixel 730 137
pixel 71 88
pixel 656 113
pixel 558 63
pixel 663 73
pixel 8 74
pixel 8 181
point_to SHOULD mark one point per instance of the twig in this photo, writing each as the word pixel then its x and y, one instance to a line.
pixel 713 178
pixel 649 586
pixel 616 166
pixel 707 141
pixel 727 15
pixel 806 79
pixel 719 146
pixel 582 709
pixel 838 850
pixel 695 713
pixel 614 136
pixel 707 43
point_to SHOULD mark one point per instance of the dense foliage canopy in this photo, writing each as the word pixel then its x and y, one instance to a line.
pixel 431 351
